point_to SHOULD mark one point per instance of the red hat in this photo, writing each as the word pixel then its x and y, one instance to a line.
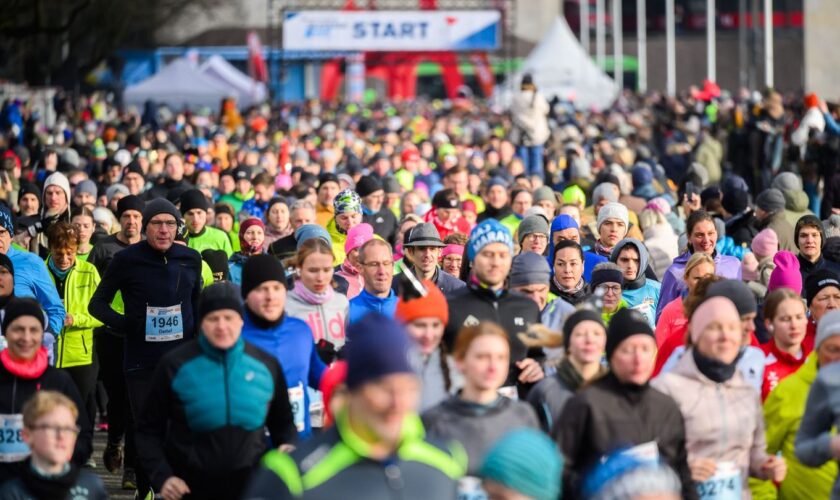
pixel 433 305
pixel 333 377
pixel 409 155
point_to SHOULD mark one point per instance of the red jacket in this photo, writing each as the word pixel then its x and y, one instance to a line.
pixel 459 225
pixel 779 365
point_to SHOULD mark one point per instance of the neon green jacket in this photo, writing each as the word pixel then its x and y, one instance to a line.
pixel 210 238
pixel 74 347
pixel 236 199
pixel 783 412
pixel 338 239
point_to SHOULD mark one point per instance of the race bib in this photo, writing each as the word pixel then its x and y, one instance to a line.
pixel 298 402
pixel 509 391
pixel 164 324
pixel 469 488
pixel 316 408
pixel 12 447
pixel 724 485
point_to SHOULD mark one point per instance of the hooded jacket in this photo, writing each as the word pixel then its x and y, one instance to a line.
pixel 608 415
pixel 783 411
pixel 822 412
pixel 384 223
pixel 477 426
pixel 641 294
pixel 742 227
pixel 673 283
pixel 663 245
pixel 430 369
pixel 783 229
pixel 778 365
pixel 796 205
pixel 326 321
pixel 211 409
pixel 806 267
pixel 723 422
pixel 338 239
pixel 60 180
pixel 290 343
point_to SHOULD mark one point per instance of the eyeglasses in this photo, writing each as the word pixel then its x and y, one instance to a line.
pixel 385 264
pixel 611 289
pixel 157 224
pixel 58 430
pixel 536 237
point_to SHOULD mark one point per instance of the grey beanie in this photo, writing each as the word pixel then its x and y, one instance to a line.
pixel 787 181
pixel 544 193
pixel 829 326
pixel 532 224
pixel 613 211
pixel 86 186
pixel 771 200
pixel 529 268
pixel 605 190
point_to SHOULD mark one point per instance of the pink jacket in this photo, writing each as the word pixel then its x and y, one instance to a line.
pixel 724 422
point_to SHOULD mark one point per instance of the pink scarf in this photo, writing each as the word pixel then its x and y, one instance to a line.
pixel 311 297
pixel 29 370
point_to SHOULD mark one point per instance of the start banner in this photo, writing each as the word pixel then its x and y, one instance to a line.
pixel 392 30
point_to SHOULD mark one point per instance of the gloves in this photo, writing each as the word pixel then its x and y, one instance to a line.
pixel 326 351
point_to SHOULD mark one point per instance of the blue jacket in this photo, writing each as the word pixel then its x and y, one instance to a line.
pixel 33 280
pixel 291 344
pixel 235 265
pixel 209 411
pixel 365 303
pixel 642 293
pixel 254 208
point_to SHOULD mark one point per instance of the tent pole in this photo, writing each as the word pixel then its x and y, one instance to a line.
pixel 768 43
pixel 618 47
pixel 641 38
pixel 600 34
pixel 711 55
pixel 584 25
pixel 670 52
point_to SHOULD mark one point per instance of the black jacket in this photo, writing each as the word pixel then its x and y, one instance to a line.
pixel 384 223
pixel 74 485
pixel 17 390
pixel 742 228
pixel 513 311
pixel 147 277
pixel 283 248
pixel 162 189
pixel 445 282
pixel 206 416
pixel 806 267
pixel 101 257
pixel 608 416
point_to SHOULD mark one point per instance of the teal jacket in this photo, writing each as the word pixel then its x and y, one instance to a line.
pixel 208 409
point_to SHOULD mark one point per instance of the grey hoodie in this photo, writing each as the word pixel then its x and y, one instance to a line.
pixel 822 412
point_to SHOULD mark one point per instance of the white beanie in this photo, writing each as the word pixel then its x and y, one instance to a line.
pixel 613 211
pixel 60 180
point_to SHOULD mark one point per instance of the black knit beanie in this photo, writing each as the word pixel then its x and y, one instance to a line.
pixel 193 199
pixel 258 269
pixel 219 296
pixel 575 319
pixel 626 323
pixel 218 262
pixel 18 307
pixel 130 202
pixel 818 280
pixel 159 206
pixel 368 185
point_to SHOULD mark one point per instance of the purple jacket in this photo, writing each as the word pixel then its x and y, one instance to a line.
pixel 673 283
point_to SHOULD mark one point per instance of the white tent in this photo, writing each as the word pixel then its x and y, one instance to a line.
pixel 561 67
pixel 248 91
pixel 178 85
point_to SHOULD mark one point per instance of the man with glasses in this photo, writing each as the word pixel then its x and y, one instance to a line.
pixel 607 281
pixel 377 263
pixel 533 234
pixel 160 283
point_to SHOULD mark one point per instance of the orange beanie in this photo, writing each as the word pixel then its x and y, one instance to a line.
pixel 433 305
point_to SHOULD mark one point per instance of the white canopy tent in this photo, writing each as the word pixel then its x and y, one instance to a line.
pixel 179 85
pixel 561 67
pixel 247 90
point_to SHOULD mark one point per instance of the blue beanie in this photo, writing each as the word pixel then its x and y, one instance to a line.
pixel 309 231
pixel 527 461
pixel 642 176
pixel 561 222
pixel 6 221
pixel 487 232
pixel 377 346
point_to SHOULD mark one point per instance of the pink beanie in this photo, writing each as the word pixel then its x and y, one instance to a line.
pixel 659 205
pixel 749 267
pixel 765 243
pixel 451 249
pixel 786 274
pixel 712 309
pixel 358 236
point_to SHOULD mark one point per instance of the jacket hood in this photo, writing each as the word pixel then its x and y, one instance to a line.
pixel 644 256
pixel 796 201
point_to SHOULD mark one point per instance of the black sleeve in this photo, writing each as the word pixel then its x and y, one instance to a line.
pixel 280 420
pixel 679 454
pixel 100 304
pixel 570 432
pixel 195 296
pixel 265 484
pixel 152 423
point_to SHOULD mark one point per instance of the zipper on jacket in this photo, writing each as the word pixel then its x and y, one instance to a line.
pixel 722 401
pixel 227 389
pixel 84 344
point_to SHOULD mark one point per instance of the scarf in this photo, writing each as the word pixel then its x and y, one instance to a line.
pixel 311 297
pixel 61 275
pixel 570 291
pixel 29 370
pixel 349 269
pixel 714 370
pixel 572 379
pixel 42 485
pixel 602 250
